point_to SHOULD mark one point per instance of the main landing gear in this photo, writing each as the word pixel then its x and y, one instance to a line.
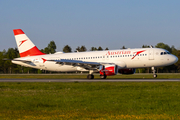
pixel 103 76
pixel 90 76
pixel 154 72
pixel 102 73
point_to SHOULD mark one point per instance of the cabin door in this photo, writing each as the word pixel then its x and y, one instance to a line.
pixel 151 54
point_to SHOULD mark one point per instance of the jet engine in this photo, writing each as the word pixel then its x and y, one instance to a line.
pixel 108 70
pixel 127 71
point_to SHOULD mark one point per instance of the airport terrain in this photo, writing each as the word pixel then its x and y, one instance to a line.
pixel 89 100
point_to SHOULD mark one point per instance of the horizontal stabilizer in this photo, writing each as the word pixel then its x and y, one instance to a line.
pixel 24 61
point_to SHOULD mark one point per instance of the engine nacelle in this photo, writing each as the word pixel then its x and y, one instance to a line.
pixel 108 70
pixel 127 71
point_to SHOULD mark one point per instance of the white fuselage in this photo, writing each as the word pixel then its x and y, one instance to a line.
pixel 123 58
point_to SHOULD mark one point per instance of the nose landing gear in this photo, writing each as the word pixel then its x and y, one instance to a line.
pixel 154 72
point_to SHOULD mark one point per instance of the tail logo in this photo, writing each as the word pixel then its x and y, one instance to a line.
pixel 21 42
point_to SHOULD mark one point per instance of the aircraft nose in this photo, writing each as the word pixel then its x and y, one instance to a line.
pixel 174 59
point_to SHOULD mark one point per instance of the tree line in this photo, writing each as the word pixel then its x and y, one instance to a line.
pixel 6 66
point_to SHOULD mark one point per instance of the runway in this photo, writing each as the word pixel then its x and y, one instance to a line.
pixel 89 80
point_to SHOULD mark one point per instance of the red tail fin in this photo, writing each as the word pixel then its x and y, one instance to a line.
pixel 25 45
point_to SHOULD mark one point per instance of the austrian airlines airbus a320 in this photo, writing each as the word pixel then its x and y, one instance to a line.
pixel 107 63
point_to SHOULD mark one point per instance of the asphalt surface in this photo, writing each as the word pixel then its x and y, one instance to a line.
pixel 89 80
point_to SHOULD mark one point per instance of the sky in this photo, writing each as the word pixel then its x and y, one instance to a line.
pixel 92 23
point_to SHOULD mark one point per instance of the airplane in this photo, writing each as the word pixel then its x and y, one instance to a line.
pixel 106 63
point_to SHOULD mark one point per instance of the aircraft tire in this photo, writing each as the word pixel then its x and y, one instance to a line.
pixel 103 76
pixel 155 75
pixel 90 76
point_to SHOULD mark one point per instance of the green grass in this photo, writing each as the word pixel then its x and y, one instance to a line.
pixel 84 76
pixel 98 100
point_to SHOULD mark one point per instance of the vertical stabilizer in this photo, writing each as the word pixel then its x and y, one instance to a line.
pixel 25 45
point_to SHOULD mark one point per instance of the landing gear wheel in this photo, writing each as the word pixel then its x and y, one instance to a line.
pixel 154 72
pixel 103 76
pixel 155 75
pixel 90 76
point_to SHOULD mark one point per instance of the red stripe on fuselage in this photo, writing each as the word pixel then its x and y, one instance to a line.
pixel 31 52
pixel 18 31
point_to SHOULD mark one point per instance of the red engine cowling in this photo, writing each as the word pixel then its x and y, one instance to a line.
pixel 127 71
pixel 109 70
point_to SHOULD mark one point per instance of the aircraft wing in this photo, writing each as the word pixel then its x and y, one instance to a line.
pixel 80 63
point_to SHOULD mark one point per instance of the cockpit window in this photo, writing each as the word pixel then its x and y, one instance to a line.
pixel 164 53
pixel 168 53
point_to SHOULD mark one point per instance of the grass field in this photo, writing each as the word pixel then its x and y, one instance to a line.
pixel 84 76
pixel 98 100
